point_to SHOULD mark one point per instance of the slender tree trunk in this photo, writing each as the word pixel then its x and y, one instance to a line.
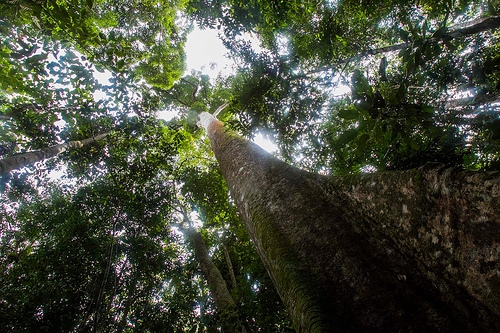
pixel 466 29
pixel 229 266
pixel 128 303
pixel 18 161
pixel 479 100
pixel 413 251
pixel 13 112
pixel 229 318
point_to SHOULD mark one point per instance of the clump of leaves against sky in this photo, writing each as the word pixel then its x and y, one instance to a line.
pixel 93 240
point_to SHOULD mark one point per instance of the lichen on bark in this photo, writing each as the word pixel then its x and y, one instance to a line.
pixel 366 252
pixel 447 219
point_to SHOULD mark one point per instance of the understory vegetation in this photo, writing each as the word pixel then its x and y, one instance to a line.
pixel 95 239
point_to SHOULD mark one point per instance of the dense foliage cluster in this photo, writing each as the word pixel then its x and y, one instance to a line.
pixel 94 240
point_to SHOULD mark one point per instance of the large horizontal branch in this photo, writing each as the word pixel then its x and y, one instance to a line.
pixel 462 30
pixel 18 161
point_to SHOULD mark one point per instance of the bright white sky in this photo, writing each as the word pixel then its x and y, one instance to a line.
pixel 206 53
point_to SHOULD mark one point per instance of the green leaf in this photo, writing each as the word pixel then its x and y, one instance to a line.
pixel 349 114
pixel 401 93
pixel 362 141
pixel 440 32
pixel 347 137
pixel 363 106
pixel 361 86
pixel 404 35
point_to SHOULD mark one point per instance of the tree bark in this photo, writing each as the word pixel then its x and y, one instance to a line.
pixel 408 251
pixel 228 312
pixel 18 161
pixel 229 266
pixel 462 30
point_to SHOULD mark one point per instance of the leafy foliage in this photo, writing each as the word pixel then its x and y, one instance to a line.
pixel 405 107
pixel 343 87
pixel 113 33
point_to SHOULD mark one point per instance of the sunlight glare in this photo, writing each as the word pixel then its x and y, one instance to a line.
pixel 265 143
pixel 206 53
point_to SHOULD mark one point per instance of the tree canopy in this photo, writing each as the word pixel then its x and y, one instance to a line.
pixel 93 239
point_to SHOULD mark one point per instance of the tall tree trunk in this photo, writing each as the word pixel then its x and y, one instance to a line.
pixel 18 161
pixel 229 317
pixel 413 251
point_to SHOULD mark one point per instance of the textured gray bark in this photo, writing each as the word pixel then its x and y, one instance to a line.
pixel 18 161
pixel 446 219
pixel 407 251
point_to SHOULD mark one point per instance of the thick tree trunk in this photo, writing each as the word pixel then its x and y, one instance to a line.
pixel 18 161
pixel 229 318
pixel 413 251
